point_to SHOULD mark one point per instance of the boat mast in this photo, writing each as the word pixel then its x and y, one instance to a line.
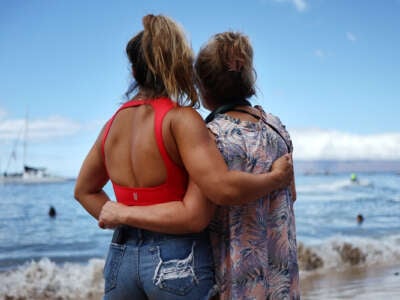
pixel 13 155
pixel 25 139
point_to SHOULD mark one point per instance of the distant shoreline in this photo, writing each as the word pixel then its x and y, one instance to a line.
pixel 309 167
pixel 331 166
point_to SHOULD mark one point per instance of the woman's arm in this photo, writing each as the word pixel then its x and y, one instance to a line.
pixel 209 171
pixel 91 180
pixel 190 215
pixel 177 217
pixel 194 212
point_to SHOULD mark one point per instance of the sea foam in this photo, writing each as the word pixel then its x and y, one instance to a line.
pixel 44 279
pixel 342 253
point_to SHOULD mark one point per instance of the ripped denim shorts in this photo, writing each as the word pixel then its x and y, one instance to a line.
pixel 143 264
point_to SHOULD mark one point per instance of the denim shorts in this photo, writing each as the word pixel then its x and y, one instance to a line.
pixel 147 265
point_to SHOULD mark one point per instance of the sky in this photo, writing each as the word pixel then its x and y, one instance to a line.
pixel 330 70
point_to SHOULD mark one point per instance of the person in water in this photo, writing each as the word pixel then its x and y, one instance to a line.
pixel 52 212
pixel 360 219
pixel 157 152
pixel 354 178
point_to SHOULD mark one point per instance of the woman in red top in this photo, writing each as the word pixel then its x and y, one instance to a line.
pixel 148 150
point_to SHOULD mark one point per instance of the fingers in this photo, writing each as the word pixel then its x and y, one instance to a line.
pixel 108 218
pixel 102 225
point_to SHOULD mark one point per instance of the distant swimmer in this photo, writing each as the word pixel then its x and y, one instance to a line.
pixel 52 212
pixel 360 219
pixel 353 178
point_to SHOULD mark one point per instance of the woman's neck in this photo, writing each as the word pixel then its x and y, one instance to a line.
pixel 144 94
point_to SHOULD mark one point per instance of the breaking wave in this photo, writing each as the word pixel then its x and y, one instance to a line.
pixel 342 253
pixel 44 279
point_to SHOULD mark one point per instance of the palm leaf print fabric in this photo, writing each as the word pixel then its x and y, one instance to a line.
pixel 254 244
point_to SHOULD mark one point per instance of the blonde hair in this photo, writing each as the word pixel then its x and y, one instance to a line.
pixel 224 68
pixel 162 60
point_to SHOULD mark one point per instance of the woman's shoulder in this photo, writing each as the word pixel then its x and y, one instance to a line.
pixel 270 118
pixel 222 122
pixel 275 122
pixel 186 119
pixel 185 112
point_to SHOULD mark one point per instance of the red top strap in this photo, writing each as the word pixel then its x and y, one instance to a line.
pixel 174 188
pixel 131 103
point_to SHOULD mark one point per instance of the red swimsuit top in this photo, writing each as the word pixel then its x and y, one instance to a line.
pixel 175 184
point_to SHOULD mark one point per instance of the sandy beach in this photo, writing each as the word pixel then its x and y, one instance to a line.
pixel 353 283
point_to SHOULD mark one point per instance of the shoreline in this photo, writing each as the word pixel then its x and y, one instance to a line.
pixel 366 282
pixel 47 280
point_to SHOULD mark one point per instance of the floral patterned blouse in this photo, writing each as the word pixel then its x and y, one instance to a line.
pixel 254 244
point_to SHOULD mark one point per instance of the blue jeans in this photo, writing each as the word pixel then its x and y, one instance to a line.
pixel 147 265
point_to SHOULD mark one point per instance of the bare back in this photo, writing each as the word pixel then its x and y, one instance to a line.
pixel 132 155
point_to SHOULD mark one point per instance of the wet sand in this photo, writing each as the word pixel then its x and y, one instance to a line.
pixel 355 283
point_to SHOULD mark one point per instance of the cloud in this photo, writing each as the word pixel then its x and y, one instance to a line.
pixel 319 53
pixel 351 37
pixel 38 130
pixel 301 5
pixel 316 144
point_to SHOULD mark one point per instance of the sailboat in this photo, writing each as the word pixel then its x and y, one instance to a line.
pixel 28 174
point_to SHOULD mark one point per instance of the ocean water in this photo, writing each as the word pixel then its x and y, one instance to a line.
pixel 62 257
pixel 326 220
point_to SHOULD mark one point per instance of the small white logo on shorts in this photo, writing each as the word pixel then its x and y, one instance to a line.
pixel 135 196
